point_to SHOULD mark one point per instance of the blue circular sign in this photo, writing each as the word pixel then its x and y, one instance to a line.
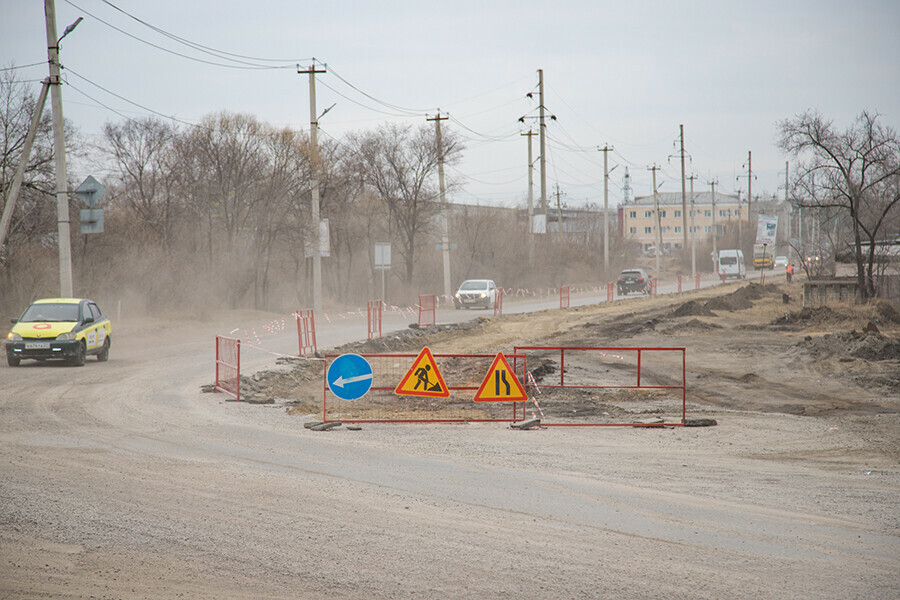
pixel 349 376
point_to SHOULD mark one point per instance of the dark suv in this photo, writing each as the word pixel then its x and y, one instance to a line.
pixel 633 280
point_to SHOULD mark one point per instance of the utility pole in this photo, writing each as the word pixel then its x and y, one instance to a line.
pixel 530 236
pixel 741 221
pixel 59 150
pixel 693 233
pixel 543 142
pixel 314 184
pixel 654 169
pixel 445 227
pixel 749 187
pixel 684 221
pixel 558 212
pixel 605 150
pixel 715 231
pixel 16 184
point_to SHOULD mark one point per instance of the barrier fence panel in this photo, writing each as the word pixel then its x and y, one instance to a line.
pixel 306 331
pixel 228 366
pixel 374 312
pixel 498 302
pixel 427 307
pixel 607 386
pixel 462 373
pixel 610 287
pixel 679 284
pixel 697 281
pixel 653 283
pixel 564 296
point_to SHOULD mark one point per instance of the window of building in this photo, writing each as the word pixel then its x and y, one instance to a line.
pixel 677 213
pixel 632 230
pixel 677 229
pixel 648 214
pixel 723 213
pixel 707 229
pixel 662 214
pixel 632 214
pixel 648 230
pixel 707 213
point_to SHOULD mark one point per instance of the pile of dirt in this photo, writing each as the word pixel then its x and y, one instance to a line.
pixel 867 345
pixel 692 308
pixel 742 298
pixel 694 325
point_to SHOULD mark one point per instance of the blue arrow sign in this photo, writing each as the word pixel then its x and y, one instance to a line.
pixel 349 376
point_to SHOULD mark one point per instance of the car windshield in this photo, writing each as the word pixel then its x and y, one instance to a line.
pixel 631 274
pixel 474 285
pixel 50 312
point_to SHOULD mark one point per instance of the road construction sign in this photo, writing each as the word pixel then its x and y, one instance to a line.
pixel 423 378
pixel 500 384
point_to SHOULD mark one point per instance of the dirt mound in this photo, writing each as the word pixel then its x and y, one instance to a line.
pixel 742 298
pixel 692 308
pixel 869 345
pixel 694 325
pixel 806 317
pixel 886 311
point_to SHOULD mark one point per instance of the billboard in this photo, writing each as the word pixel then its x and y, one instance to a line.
pixel 766 230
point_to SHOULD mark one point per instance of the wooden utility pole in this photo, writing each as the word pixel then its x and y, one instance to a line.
pixel 445 227
pixel 684 219
pixel 314 184
pixel 654 169
pixel 605 150
pixel 59 150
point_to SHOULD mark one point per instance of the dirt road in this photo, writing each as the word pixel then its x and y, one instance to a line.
pixel 123 480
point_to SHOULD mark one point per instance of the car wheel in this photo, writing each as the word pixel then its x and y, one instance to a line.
pixel 79 356
pixel 104 353
pixel 12 361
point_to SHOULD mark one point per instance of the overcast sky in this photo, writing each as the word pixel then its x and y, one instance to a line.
pixel 619 73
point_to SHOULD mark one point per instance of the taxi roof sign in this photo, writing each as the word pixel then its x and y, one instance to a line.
pixel 423 378
pixel 500 384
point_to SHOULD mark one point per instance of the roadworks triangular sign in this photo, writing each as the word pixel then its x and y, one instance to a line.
pixel 500 384
pixel 423 378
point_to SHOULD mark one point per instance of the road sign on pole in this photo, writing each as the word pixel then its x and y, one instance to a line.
pixel 90 191
pixel 349 376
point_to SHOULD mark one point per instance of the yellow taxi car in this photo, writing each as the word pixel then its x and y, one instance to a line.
pixel 59 328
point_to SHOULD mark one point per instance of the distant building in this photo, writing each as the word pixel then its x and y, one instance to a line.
pixel 639 217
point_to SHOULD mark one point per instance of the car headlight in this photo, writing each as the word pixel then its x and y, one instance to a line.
pixel 14 337
pixel 483 294
pixel 65 337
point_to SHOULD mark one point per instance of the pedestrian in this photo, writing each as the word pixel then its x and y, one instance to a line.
pixel 789 272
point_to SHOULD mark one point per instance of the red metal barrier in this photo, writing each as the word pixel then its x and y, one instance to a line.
pixel 679 284
pixel 463 374
pixel 374 311
pixel 653 283
pixel 564 296
pixel 610 288
pixel 608 386
pixel 427 309
pixel 228 366
pixel 498 302
pixel 697 281
pixel 306 331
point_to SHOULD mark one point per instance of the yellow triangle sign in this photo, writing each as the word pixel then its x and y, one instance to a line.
pixel 423 378
pixel 500 384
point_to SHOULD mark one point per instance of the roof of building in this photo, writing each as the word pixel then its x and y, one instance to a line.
pixel 674 199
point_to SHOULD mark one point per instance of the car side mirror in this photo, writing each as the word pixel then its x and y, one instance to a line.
pixel 88 320
pixel 13 321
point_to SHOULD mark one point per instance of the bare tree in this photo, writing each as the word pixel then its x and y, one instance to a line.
pixel 399 164
pixel 856 171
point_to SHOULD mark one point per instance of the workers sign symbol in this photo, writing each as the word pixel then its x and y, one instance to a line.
pixel 500 384
pixel 423 378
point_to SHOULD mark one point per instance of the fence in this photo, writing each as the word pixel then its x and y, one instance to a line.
pixel 374 312
pixel 228 366
pixel 462 373
pixel 564 296
pixel 607 386
pixel 498 302
pixel 427 309
pixel 610 288
pixel 306 331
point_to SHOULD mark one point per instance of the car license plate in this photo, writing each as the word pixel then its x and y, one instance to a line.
pixel 37 345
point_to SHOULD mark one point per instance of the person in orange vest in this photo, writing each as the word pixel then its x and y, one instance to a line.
pixel 789 272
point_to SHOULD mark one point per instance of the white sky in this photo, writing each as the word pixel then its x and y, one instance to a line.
pixel 619 73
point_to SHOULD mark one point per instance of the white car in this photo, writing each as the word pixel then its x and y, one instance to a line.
pixel 479 293
pixel 781 262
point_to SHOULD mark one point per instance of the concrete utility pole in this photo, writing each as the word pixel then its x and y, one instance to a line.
pixel 543 142
pixel 16 184
pixel 605 150
pixel 445 226
pixel 314 184
pixel 654 169
pixel 749 186
pixel 741 221
pixel 558 212
pixel 530 236
pixel 684 222
pixel 715 231
pixel 693 232
pixel 59 150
